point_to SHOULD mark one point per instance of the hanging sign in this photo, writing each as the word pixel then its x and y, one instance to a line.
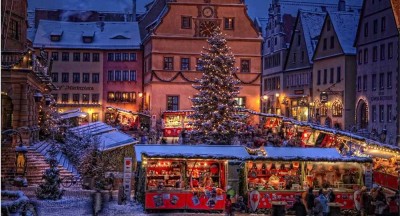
pixel 324 97
pixel 368 178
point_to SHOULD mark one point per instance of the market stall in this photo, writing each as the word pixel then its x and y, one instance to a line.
pixel 184 177
pixel 279 174
pixel 175 122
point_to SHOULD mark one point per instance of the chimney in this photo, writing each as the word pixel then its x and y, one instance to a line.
pixel 134 10
pixel 342 5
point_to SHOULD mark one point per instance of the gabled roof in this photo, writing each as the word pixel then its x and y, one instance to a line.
pixel 396 11
pixel 107 35
pixel 312 24
pixel 345 25
pixel 292 7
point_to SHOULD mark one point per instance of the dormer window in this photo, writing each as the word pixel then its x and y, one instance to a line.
pixel 87 37
pixel 56 36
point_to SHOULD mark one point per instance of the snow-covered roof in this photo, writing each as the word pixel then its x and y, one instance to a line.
pixel 312 24
pixel 345 25
pixel 292 7
pixel 72 114
pixel 306 154
pixel 107 35
pixel 120 6
pixel 108 136
pixel 215 151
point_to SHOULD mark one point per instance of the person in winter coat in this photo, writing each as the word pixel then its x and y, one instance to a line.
pixel 324 202
pixel 380 203
pixel 310 197
pixel 299 207
pixel 318 208
pixel 228 206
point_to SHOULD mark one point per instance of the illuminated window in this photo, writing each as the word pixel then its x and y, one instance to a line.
pixel 85 98
pixel 95 117
pixel 337 109
pixel 241 102
pixel 172 102
pixel 110 96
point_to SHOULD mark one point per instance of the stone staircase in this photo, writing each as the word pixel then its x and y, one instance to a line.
pixel 37 164
pixel 7 161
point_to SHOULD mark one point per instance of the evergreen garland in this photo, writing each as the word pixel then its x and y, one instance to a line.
pixel 216 115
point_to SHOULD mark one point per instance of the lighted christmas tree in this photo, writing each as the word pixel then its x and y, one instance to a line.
pixel 216 115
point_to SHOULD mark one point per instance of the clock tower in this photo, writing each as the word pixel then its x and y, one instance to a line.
pixel 207 20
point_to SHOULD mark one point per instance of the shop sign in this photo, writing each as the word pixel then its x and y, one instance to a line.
pixel 299 92
pixel 127 176
pixel 68 87
pixel 324 97
pixel 368 178
pixel 381 98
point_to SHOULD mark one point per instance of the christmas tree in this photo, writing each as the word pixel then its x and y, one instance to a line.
pixel 216 115
pixel 50 188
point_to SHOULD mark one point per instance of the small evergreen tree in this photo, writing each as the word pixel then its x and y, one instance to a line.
pixel 50 188
pixel 216 115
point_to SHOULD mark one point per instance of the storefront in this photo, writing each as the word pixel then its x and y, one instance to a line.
pixel 126 120
pixel 184 177
pixel 279 174
pixel 175 122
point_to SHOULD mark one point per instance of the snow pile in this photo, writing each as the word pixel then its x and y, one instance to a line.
pixel 66 206
pixel 131 208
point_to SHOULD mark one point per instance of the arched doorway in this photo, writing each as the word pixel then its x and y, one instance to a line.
pixel 6 112
pixel 362 114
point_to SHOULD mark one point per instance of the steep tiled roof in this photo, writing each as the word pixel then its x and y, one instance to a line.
pixel 292 7
pixel 312 24
pixel 107 35
pixel 124 6
pixel 396 11
pixel 345 25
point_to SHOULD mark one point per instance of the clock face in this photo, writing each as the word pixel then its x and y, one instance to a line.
pixel 208 12
pixel 207 28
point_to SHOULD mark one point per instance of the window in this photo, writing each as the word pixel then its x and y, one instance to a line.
pixel 365 56
pixel 125 56
pixel 298 39
pixel 359 57
pixel 375 26
pixel 382 51
pixel 64 98
pixel 245 66
pixel 302 56
pixel 110 96
pixel 366 30
pixel 54 77
pixel 319 77
pixel 328 25
pixel 117 75
pixel 14 30
pixel 186 22
pixel 381 113
pixel 373 81
pixel 76 78
pixel 132 75
pixel 338 74
pixel 365 82
pixel 65 56
pixel 229 23
pixel 324 110
pixel 373 113
pixel 124 97
pixel 95 117
pixel 132 57
pixel 185 64
pixel 95 77
pixel 359 83
pixel 332 45
pixel 324 44
pixel 95 98
pixel 332 75
pixel 110 57
pixel 75 98
pixel 375 54
pixel 390 50
pixel 199 65
pixel 125 75
pixel 294 58
pixel 65 77
pixel 389 113
pixel 132 97
pixel 96 57
pixel 85 98
pixel 85 78
pixel 76 56
pixel 389 80
pixel 383 24
pixel 117 56
pixel 111 75
pixel 381 81
pixel 86 57
pixel 337 109
pixel 241 102
pixel 54 56
pixel 168 63
pixel 172 102
pixel 55 97
pixel 325 76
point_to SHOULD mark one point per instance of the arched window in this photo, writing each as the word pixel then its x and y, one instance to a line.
pixel 324 109
pixel 337 109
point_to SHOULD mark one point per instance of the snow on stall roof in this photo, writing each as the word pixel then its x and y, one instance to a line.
pixel 72 115
pixel 345 25
pixel 312 24
pixel 217 151
pixel 107 35
pixel 292 7
pixel 121 6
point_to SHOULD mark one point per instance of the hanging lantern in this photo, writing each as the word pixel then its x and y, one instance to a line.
pixel 38 96
pixel 21 160
pixel 48 101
